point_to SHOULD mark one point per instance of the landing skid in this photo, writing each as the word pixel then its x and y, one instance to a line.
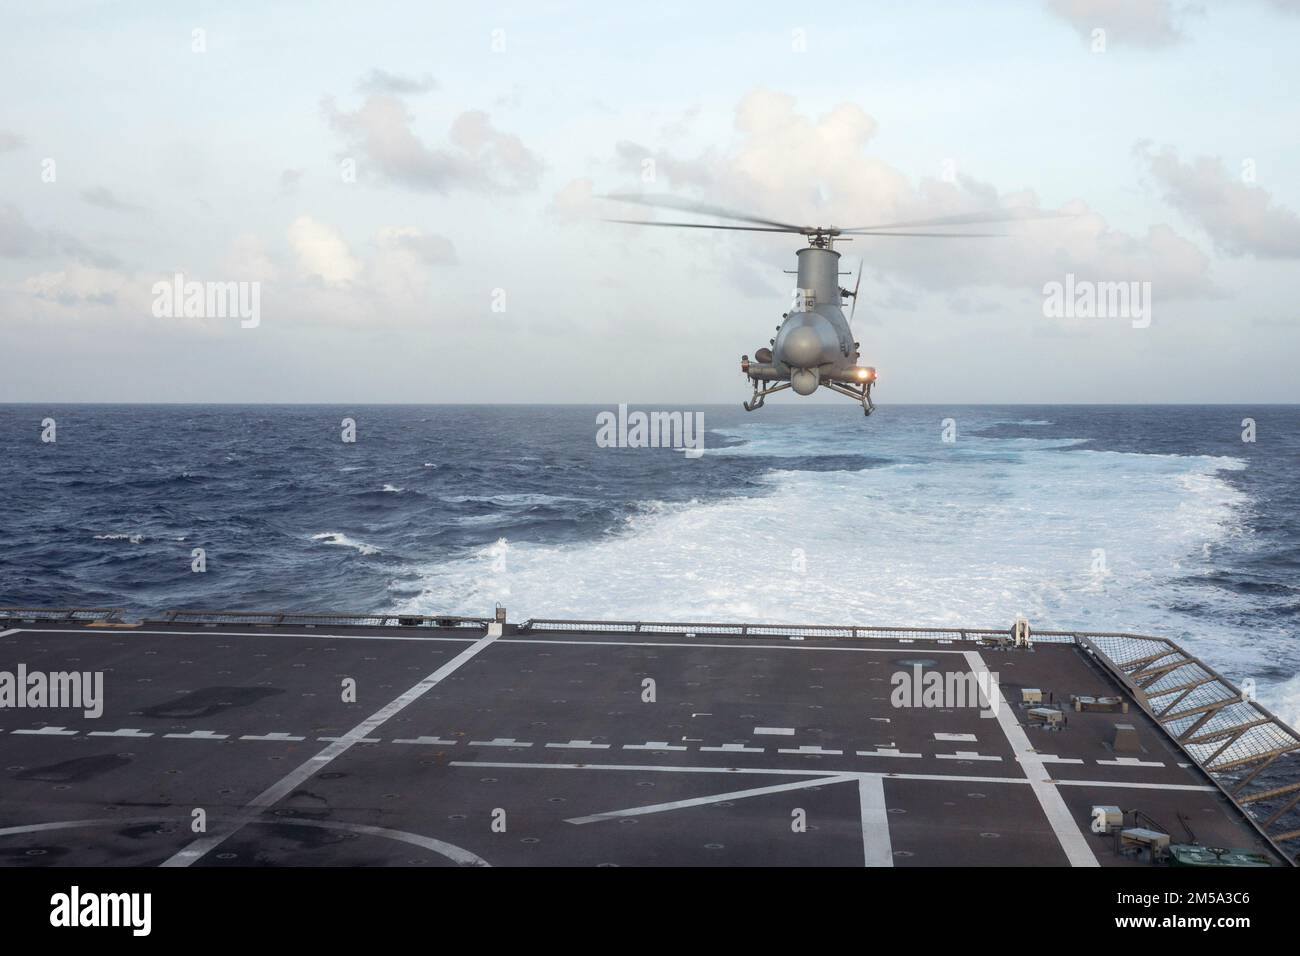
pixel 861 392
pixel 760 394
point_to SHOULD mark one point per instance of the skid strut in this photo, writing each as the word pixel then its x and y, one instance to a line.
pixel 861 392
pixel 760 394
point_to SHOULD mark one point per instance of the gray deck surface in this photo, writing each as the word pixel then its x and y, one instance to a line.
pixel 548 733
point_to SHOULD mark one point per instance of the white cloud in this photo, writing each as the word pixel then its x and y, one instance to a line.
pixel 104 198
pixel 791 167
pixel 400 272
pixel 574 202
pixel 20 240
pixel 382 81
pixel 249 260
pixel 479 156
pixel 1145 23
pixel 1242 219
pixel 321 251
pixel 79 285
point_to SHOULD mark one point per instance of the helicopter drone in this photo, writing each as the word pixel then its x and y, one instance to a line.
pixel 814 344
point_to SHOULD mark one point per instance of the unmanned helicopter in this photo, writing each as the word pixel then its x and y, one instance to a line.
pixel 814 344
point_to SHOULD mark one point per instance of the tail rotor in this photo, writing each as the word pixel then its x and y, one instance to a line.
pixel 854 293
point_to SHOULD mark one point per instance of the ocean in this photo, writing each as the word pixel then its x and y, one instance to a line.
pixel 1155 519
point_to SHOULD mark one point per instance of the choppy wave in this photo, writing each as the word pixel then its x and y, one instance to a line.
pixel 343 541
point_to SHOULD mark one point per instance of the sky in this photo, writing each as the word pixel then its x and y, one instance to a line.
pixel 412 192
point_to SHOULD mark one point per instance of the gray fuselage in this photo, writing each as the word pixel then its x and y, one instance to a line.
pixel 814 341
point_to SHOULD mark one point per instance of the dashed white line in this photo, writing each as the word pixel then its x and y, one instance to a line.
pixel 810 749
pixel 652 745
pixel 885 752
pixel 579 745
pixel 774 731
pixel 967 755
pixel 48 732
pixel 272 737
pixel 732 749
pixel 436 741
pixel 124 732
pixel 198 735
pixel 499 742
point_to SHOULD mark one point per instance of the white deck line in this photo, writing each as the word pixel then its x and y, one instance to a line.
pixel 967 755
pixel 1121 785
pixel 47 731
pixel 433 741
pixel 768 771
pixel 885 752
pixel 791 772
pixel 705 801
pixel 1058 815
pixel 876 847
pixel 291 781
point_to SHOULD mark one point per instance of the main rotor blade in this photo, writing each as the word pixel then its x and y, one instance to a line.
pixel 704 209
pixel 969 219
pixel 932 235
pixel 701 225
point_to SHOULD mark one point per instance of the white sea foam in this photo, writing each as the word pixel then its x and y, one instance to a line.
pixel 973 534
pixel 132 538
pixel 1285 700
pixel 342 540
pixel 393 489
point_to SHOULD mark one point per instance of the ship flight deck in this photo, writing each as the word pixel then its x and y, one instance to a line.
pixel 307 740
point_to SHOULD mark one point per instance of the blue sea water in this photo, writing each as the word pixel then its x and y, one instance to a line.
pixel 1157 519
